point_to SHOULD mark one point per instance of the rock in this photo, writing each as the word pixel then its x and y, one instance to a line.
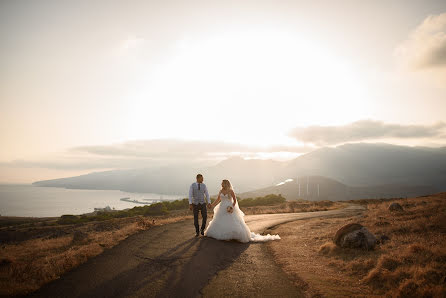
pixel 382 239
pixel 79 236
pixel 433 277
pixel 57 233
pixel 145 224
pixel 344 231
pixel 409 205
pixel 382 223
pixel 105 226
pixel 5 261
pixel 361 238
pixel 355 235
pixel 395 207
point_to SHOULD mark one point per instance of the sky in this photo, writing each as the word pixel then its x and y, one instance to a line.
pixel 93 85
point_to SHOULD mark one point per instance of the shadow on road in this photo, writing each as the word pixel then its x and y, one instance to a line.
pixel 210 257
pixel 181 271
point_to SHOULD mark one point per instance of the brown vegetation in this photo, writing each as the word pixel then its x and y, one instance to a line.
pixel 411 264
pixel 42 252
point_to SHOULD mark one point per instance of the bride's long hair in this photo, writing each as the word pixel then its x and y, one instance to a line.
pixel 226 185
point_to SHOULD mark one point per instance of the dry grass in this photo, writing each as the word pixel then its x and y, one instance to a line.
pixel 27 265
pixel 411 264
pixel 294 206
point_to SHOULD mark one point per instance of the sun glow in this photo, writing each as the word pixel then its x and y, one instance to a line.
pixel 251 86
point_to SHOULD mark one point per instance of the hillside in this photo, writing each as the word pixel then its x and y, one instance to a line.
pixel 318 188
pixel 365 164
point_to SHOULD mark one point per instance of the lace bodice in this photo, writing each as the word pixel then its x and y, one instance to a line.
pixel 227 196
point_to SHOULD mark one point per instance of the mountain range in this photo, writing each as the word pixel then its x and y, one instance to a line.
pixel 369 167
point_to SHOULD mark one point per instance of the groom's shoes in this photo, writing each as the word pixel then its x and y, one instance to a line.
pixel 197 234
pixel 202 232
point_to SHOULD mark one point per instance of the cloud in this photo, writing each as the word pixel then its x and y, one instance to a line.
pixel 426 45
pixel 149 153
pixel 132 43
pixel 71 163
pixel 130 47
pixel 173 149
pixel 364 130
pixel 161 148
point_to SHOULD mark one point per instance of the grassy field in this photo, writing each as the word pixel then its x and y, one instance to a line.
pixel 411 264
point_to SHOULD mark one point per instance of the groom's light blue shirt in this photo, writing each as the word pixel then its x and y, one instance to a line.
pixel 196 196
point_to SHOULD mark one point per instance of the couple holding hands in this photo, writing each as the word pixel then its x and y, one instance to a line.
pixel 228 221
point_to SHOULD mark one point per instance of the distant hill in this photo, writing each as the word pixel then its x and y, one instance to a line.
pixel 245 174
pixel 364 164
pixel 359 165
pixel 318 188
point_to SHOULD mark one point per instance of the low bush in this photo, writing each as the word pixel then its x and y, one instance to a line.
pixel 267 200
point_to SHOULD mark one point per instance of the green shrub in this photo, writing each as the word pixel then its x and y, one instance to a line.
pixel 160 208
pixel 177 204
pixel 267 200
pixel 156 209
pixel 67 219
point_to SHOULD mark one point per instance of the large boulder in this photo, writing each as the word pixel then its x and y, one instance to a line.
pixel 355 235
pixel 395 207
pixel 344 231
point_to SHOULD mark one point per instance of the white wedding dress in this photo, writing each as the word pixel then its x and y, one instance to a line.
pixel 232 226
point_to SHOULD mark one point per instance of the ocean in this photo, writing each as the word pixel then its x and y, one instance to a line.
pixel 36 201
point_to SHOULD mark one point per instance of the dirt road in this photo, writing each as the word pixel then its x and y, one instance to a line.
pixel 169 261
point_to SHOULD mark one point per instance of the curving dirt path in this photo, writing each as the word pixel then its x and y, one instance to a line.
pixel 169 261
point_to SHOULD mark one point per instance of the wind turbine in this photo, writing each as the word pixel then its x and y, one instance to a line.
pixel 298 184
pixel 307 185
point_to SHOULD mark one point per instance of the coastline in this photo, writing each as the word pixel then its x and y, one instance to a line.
pixel 25 200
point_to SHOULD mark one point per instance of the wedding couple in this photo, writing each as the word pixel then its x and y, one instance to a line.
pixel 228 222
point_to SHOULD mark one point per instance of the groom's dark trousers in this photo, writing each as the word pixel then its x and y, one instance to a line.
pixel 204 215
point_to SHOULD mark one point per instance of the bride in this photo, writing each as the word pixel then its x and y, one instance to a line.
pixel 228 222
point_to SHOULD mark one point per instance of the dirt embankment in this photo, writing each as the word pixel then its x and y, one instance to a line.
pixel 36 251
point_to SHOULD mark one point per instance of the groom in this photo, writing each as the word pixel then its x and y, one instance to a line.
pixel 197 191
